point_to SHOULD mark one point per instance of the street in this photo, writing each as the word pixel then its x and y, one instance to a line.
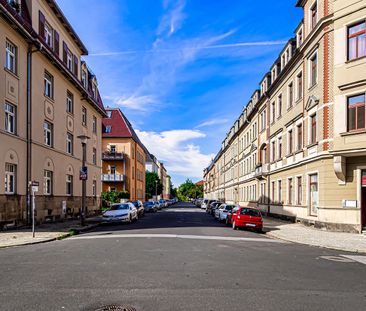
pixel 179 258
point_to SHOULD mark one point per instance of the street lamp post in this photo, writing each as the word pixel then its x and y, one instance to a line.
pixel 156 190
pixel 83 177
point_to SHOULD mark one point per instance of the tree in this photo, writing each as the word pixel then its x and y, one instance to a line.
pixel 189 190
pixel 153 185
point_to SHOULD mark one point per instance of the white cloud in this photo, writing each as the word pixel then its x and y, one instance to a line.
pixel 173 19
pixel 142 103
pixel 211 122
pixel 175 150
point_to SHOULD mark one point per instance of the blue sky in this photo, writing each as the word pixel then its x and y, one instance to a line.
pixel 181 70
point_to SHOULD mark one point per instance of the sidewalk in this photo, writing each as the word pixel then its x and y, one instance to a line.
pixel 44 233
pixel 298 233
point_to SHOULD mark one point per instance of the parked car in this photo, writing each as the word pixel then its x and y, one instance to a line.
pixel 150 207
pixel 229 215
pixel 204 204
pixel 213 206
pixel 121 212
pixel 246 217
pixel 223 210
pixel 158 205
pixel 163 203
pixel 139 206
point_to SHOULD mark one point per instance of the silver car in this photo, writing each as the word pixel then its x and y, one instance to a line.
pixel 222 211
pixel 121 212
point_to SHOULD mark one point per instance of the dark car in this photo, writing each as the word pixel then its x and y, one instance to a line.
pixel 139 206
pixel 150 207
pixel 214 206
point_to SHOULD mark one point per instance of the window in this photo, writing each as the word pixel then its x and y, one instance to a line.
pixel 69 60
pixel 83 116
pixel 69 185
pixel 69 102
pixel 290 190
pixel 273 112
pixel 314 193
pixel 109 114
pixel 299 190
pixel 94 88
pixel 280 147
pixel 10 178
pixel 11 57
pixel 94 156
pixel 48 85
pixel 112 169
pixel 356 113
pixel 273 191
pixel 313 129
pixel 290 141
pixel 113 148
pixel 300 37
pixel 94 124
pixel 314 15
pixel 357 41
pixel 314 70
pixel 84 79
pixel 263 120
pixel 290 95
pixel 279 106
pixel 48 182
pixel 299 137
pixel 10 118
pixel 279 189
pixel 48 34
pixel 69 143
pixel 273 150
pixel 299 86
pixel 48 133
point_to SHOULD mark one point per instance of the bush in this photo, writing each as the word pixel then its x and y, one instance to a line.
pixel 110 197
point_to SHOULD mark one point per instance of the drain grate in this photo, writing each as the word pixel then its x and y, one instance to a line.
pixel 116 308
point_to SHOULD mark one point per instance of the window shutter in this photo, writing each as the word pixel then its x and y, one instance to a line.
pixel 65 49
pixel 56 45
pixel 76 64
pixel 42 21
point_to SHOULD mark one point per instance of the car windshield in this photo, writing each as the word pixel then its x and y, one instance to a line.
pixel 250 212
pixel 148 203
pixel 119 207
pixel 229 207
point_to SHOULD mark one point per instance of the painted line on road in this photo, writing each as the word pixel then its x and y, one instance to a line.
pixel 360 259
pixel 177 236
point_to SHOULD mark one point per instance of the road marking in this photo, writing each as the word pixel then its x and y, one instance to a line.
pixel 177 236
pixel 360 259
pixel 336 258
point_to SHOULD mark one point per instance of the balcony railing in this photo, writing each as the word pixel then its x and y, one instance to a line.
pixel 113 156
pixel 261 170
pixel 113 177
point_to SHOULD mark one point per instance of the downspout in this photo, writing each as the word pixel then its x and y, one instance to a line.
pixel 29 131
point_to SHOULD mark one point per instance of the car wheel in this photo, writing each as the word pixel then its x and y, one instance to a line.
pixel 234 226
pixel 130 219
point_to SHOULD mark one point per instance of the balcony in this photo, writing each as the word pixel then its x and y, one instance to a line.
pixel 113 178
pixel 261 171
pixel 113 156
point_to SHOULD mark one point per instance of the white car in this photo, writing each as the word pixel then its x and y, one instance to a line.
pixel 204 204
pixel 223 210
pixel 121 212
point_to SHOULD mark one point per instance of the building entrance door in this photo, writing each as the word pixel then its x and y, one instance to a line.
pixel 314 194
pixel 363 199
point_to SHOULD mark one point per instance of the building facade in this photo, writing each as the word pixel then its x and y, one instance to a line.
pixel 123 156
pixel 49 98
pixel 298 148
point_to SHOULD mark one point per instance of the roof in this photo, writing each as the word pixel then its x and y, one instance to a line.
pixel 60 15
pixel 120 127
pixel 199 183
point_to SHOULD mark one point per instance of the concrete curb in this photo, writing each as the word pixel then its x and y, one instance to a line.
pixel 61 237
pixel 272 235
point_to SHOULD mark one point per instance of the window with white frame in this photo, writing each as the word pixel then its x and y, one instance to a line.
pixel 263 120
pixel 48 133
pixel 314 15
pixel 69 185
pixel 10 178
pixel 300 37
pixel 84 79
pixel 94 190
pixel 10 118
pixel 313 69
pixel 273 111
pixel 48 182
pixel 356 112
pixel 280 148
pixel 69 143
pixel 290 95
pixel 69 60
pixel 290 142
pixel 273 198
pixel 279 191
pixel 273 150
pixel 279 104
pixel 94 156
pixel 48 85
pixel 11 57
pixel 69 102
pixel 84 116
pixel 299 136
pixel 48 34
pixel 290 188
pixel 299 190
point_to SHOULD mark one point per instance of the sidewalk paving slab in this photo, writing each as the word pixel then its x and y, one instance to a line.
pixel 298 233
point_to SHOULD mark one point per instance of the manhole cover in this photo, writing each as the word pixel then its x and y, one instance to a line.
pixel 116 308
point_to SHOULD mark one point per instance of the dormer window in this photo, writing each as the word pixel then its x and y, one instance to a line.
pixel 108 129
pixel 84 79
pixel 109 114
pixel 48 34
pixel 314 14
pixel 300 38
pixel 15 4
pixel 94 87
pixel 69 60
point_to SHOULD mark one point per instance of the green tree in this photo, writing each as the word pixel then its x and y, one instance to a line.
pixel 189 190
pixel 153 185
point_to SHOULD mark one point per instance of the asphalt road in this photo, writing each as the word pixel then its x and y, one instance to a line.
pixel 178 259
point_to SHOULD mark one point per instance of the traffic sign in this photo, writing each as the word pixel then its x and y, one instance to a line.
pixel 84 173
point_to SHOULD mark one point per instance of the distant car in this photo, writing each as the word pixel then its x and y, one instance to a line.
pixel 158 205
pixel 150 207
pixel 204 204
pixel 121 212
pixel 247 217
pixel 139 206
pixel 212 207
pixel 223 210
pixel 163 203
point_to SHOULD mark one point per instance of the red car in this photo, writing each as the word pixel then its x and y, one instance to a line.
pixel 245 217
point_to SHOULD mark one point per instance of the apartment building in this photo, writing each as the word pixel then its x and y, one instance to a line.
pixel 124 156
pixel 298 148
pixel 49 99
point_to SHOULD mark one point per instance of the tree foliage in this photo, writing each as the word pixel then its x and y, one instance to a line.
pixel 110 197
pixel 189 190
pixel 153 185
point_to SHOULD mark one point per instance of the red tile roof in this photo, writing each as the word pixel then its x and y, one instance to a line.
pixel 199 183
